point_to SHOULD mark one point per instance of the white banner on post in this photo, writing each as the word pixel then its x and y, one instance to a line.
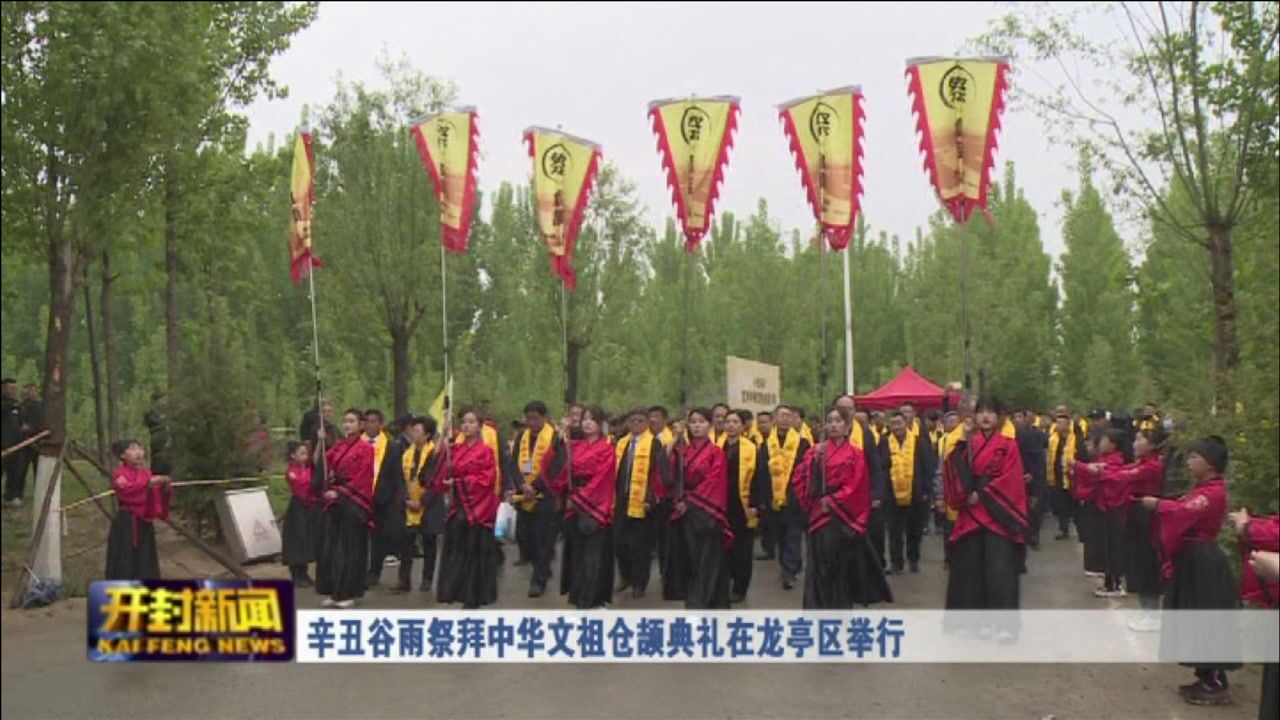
pixel 752 385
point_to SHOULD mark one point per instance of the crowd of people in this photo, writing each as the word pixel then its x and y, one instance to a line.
pixel 844 502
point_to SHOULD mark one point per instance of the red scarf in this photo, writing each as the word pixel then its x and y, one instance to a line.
pixel 475 477
pixel 994 470
pixel 350 462
pixel 137 496
pixel 848 487
pixel 593 480
pixel 706 482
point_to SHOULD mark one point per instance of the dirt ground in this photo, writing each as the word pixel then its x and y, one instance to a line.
pixel 46 674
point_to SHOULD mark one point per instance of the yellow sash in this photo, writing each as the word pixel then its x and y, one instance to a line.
pixel 379 451
pixel 746 473
pixel 666 437
pixel 719 439
pixel 414 484
pixel 949 442
pixel 903 467
pixel 639 487
pixel 529 464
pixel 1068 457
pixel 782 458
pixel 1009 430
pixel 875 434
pixel 806 433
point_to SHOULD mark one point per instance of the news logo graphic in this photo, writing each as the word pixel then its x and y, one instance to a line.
pixel 191 620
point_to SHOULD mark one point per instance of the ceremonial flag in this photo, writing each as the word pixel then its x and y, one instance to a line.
pixel 694 138
pixel 564 168
pixel 438 409
pixel 825 132
pixel 301 200
pixel 957 103
pixel 448 143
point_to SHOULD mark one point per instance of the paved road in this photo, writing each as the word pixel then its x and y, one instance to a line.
pixel 45 674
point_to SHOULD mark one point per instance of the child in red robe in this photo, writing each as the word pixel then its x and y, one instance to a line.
pixel 140 499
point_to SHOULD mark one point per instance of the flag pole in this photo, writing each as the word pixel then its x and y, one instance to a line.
pixel 964 299
pixel 315 341
pixel 848 325
pixel 447 420
pixel 823 370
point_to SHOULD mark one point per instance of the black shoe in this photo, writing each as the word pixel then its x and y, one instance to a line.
pixel 372 580
pixel 637 593
pixel 1202 694
pixel 735 598
pixel 425 586
pixel 788 582
pixel 536 589
pixel 766 556
pixel 915 567
pixel 622 586
pixel 303 581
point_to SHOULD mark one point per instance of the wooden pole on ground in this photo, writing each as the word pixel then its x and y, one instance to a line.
pixel 29 441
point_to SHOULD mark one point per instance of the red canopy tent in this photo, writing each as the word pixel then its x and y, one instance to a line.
pixel 907 387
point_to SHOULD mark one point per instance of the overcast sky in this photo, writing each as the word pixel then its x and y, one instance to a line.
pixel 592 68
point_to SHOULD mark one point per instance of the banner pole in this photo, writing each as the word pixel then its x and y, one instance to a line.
pixel 848 324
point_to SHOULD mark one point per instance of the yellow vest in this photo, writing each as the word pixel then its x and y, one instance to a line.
pixel 379 451
pixel 414 483
pixel 902 467
pixel 1068 458
pixel 782 458
pixel 530 463
pixel 746 473
pixel 639 486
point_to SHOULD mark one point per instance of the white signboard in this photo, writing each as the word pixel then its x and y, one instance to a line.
pixel 752 385
pixel 249 524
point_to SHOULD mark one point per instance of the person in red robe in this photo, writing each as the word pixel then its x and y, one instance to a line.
pixel 989 494
pixel 1108 509
pixel 348 514
pixel 585 478
pixel 1196 571
pixel 141 498
pixel 1259 535
pixel 833 486
pixel 697 567
pixel 302 520
pixel 1122 487
pixel 468 474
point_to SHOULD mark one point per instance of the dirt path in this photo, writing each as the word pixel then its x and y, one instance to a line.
pixel 45 674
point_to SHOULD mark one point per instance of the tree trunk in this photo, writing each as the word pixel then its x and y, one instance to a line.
pixel 171 274
pixel 571 372
pixel 99 422
pixel 109 350
pixel 401 369
pixel 1226 356
pixel 62 268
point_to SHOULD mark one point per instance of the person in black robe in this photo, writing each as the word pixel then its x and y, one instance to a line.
pixel 388 502
pixel 538 526
pixel 743 520
pixel 157 422
pixel 697 570
pixel 300 536
pixel 1031 448
pixel 634 522
pixel 10 435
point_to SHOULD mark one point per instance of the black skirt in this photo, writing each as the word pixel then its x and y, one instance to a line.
pixel 1090 527
pixel 1202 580
pixel 843 570
pixel 127 559
pixel 468 564
pixel 301 533
pixel 1142 566
pixel 343 557
pixel 586 566
pixel 696 568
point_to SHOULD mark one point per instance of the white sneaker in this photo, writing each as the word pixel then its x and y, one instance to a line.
pixel 1148 623
pixel 328 602
pixel 1105 593
pixel 391 561
pixel 1090 574
pixel 345 604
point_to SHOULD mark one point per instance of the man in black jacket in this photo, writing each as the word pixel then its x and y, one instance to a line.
pixel 11 434
pixel 1031 448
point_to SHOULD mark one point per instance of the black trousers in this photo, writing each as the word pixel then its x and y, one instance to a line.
pixel 740 559
pixel 768 538
pixel 984 572
pixel 543 527
pixel 633 549
pixel 1064 508
pixel 906 522
pixel 1035 514
pixel 788 525
pixel 523 534
pixel 15 471
pixel 413 537
pixel 875 533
